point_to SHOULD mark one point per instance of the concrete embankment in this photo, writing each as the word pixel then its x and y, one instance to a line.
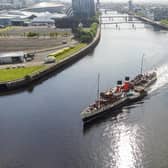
pixel 18 84
pixel 153 23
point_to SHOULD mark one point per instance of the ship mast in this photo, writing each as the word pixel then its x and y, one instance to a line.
pixel 98 89
pixel 142 61
pixel 98 86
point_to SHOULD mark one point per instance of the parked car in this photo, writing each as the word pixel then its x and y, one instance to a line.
pixel 49 60
pixel 2 26
pixel 64 42
pixel 29 56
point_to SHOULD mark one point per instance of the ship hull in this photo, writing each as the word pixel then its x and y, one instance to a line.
pixel 106 111
pixel 113 110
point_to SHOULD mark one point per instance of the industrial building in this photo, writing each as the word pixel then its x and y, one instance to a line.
pixel 12 57
pixel 5 20
pixel 13 17
pixel 42 21
pixel 11 4
pixel 25 18
pixel 51 7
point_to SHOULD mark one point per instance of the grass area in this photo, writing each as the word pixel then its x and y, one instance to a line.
pixel 64 53
pixel 13 74
pixel 30 31
pixel 3 30
pixel 164 21
pixel 18 73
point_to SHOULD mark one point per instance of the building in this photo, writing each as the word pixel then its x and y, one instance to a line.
pixel 83 8
pixel 43 21
pixel 18 22
pixel 5 20
pixel 8 18
pixel 130 6
pixel 66 22
pixel 154 13
pixel 12 57
pixel 98 5
pixel 160 13
pixel 4 4
pixel 51 7
pixel 9 4
pixel 47 19
pixel 19 3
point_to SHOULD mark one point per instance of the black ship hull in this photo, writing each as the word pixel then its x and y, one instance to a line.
pixel 113 110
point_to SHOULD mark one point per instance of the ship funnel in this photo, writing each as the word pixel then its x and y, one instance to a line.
pixel 119 82
pixel 127 78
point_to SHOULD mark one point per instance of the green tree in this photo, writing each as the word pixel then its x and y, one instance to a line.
pixel 33 34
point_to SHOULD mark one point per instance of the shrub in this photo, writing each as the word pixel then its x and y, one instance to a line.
pixel 164 21
pixel 86 38
pixel 87 35
pixel 32 34
pixel 28 77
pixel 53 34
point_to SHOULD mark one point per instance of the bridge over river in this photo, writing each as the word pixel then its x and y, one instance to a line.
pixel 118 19
pixel 121 22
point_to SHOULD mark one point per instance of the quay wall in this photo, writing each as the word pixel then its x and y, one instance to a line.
pixel 30 79
pixel 153 23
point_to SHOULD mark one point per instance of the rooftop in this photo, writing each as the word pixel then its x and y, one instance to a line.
pixel 47 5
pixel 20 15
pixel 12 54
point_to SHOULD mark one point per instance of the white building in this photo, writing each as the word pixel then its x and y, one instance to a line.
pixel 12 57
pixel 51 7
pixel 5 4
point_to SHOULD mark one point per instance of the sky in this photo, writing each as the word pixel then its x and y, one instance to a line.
pixel 136 1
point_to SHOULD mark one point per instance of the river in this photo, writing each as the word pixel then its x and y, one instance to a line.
pixel 41 127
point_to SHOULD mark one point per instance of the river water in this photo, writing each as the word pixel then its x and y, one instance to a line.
pixel 41 127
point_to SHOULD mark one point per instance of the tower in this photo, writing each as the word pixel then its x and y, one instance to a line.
pixel 98 5
pixel 130 5
pixel 83 8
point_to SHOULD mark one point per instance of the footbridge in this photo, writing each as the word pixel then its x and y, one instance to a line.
pixel 122 22
pixel 119 19
pixel 116 16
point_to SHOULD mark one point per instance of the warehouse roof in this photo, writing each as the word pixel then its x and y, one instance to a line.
pixel 12 54
pixel 47 5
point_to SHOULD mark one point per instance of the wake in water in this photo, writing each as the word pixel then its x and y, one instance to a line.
pixel 162 78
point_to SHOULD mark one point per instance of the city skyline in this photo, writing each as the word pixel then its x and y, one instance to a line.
pixel 136 1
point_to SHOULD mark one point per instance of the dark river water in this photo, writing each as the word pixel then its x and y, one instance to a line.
pixel 42 128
